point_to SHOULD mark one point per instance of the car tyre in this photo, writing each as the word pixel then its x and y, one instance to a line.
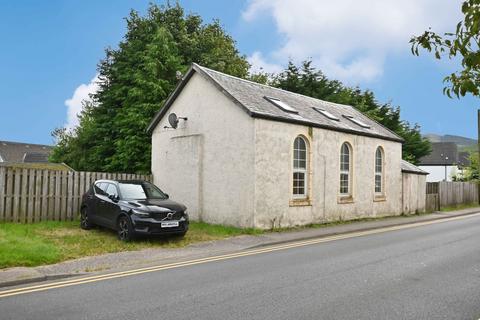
pixel 125 229
pixel 85 224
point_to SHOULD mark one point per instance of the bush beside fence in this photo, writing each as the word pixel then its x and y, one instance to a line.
pixel 30 195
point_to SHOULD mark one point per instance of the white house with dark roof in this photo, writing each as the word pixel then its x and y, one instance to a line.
pixel 245 154
pixel 444 163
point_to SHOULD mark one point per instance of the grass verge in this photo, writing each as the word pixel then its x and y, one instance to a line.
pixel 460 207
pixel 51 241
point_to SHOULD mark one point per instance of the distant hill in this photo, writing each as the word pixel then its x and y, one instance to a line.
pixel 462 142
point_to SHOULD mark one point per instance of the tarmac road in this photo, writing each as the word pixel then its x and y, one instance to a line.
pixel 425 272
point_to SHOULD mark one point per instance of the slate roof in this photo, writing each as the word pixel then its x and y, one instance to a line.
pixel 443 153
pixel 16 152
pixel 411 168
pixel 36 157
pixel 251 97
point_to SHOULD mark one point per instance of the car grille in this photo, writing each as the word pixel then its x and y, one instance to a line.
pixel 163 216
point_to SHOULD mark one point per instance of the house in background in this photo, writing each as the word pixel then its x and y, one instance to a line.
pixel 27 155
pixel 444 162
pixel 245 154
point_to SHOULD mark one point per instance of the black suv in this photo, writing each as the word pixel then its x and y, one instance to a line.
pixel 132 207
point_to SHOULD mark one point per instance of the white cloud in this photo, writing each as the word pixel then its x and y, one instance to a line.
pixel 350 39
pixel 260 65
pixel 74 104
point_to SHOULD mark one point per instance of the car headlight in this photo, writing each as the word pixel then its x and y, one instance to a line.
pixel 141 214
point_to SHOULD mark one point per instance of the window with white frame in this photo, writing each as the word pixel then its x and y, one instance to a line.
pixel 300 165
pixel 379 171
pixel 345 169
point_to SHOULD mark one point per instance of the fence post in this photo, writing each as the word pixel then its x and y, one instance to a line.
pixel 44 199
pixel 31 188
pixel 69 196
pixel 2 193
pixel 57 196
pixel 9 195
pixel 16 196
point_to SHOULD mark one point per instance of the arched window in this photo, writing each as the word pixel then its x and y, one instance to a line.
pixel 300 165
pixel 379 170
pixel 345 169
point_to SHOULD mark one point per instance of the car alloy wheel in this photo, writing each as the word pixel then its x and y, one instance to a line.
pixel 125 232
pixel 84 223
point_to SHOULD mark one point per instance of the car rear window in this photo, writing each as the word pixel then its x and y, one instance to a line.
pixel 100 188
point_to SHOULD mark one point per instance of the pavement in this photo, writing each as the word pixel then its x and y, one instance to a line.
pixel 423 271
pixel 151 257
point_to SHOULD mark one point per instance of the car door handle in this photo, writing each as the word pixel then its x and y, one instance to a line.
pixel 102 201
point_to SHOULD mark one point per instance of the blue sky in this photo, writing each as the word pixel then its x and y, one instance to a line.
pixel 50 48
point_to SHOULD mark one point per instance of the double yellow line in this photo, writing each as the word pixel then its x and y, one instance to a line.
pixel 73 282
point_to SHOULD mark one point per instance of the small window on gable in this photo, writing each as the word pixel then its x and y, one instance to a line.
pixel 357 121
pixel 281 104
pixel 326 114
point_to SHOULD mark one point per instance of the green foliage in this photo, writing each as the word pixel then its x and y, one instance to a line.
pixel 306 80
pixel 463 43
pixel 135 80
pixel 471 172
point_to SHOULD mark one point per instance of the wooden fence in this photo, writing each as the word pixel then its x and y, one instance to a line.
pixel 445 194
pixel 30 195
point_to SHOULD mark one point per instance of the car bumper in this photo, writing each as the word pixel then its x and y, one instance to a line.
pixel 152 226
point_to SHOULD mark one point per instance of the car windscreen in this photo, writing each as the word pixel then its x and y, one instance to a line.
pixel 140 191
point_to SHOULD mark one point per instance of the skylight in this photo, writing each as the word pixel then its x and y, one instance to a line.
pixel 326 114
pixel 282 105
pixel 358 122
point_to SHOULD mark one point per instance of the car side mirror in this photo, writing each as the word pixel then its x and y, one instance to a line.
pixel 166 195
pixel 113 197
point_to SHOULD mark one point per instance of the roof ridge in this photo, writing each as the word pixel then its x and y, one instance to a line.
pixel 26 143
pixel 275 88
pixel 298 94
pixel 227 83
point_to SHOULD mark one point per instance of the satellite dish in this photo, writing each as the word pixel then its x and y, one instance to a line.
pixel 173 120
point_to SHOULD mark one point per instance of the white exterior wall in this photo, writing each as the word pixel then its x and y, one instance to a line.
pixel 207 163
pixel 437 173
pixel 273 171
pixel 414 192
pixel 229 168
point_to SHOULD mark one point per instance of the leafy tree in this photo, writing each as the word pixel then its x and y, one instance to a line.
pixel 135 80
pixel 463 43
pixel 305 79
pixel 472 169
pixel 471 172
